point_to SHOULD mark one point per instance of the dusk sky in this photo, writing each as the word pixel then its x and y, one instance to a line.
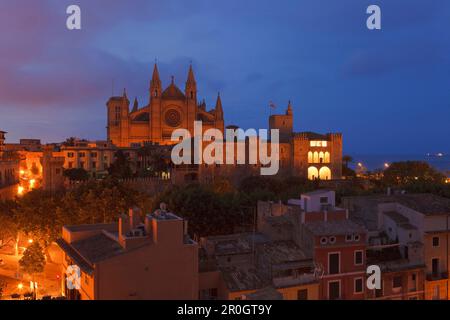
pixel 387 91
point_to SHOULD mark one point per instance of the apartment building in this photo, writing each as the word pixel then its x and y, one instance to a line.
pixel 249 265
pixel 131 259
pixel 418 226
pixel 9 171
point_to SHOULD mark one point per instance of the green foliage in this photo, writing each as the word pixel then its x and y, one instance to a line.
pixel 76 174
pixel 33 260
pixel 408 172
pixel 42 214
pixel 208 212
pixel 8 222
pixel 348 172
pixel 346 159
pixel 155 160
pixel 121 167
pixel 269 188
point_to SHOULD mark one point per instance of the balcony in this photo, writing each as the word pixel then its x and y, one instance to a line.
pixel 435 276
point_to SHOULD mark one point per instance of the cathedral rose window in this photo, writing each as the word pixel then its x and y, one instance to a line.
pixel 173 118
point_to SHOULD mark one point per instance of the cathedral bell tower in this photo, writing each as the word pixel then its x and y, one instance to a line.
pixel 155 105
pixel 191 99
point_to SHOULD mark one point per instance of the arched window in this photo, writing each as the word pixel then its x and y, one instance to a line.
pixel 310 157
pixel 325 173
pixel 316 157
pixel 327 157
pixel 313 173
pixel 321 157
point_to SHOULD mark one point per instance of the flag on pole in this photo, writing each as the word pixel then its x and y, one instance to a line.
pixel 272 105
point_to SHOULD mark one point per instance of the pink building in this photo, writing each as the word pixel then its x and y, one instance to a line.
pixel 154 259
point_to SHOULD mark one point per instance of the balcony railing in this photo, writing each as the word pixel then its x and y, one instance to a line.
pixel 434 276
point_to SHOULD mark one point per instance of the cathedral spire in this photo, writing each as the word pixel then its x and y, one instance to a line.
pixel 155 76
pixel 191 78
pixel 191 85
pixel 289 109
pixel 219 110
pixel 135 105
pixel 155 83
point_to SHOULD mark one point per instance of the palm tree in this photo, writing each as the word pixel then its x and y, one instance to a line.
pixel 347 159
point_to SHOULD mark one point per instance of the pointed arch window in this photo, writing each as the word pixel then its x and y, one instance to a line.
pixel 327 157
pixel 310 157
pixel 321 157
pixel 316 157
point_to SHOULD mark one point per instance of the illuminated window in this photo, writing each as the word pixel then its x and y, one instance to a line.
pixel 313 143
pixel 313 173
pixel 325 173
pixel 326 157
pixel 316 157
pixel 324 143
pixel 310 157
pixel 321 157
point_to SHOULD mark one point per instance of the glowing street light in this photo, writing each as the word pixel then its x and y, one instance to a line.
pixel 20 286
pixel 386 165
pixel 30 241
pixel 20 190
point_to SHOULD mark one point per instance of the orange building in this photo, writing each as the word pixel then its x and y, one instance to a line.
pixel 166 111
pixel 9 171
pixel 154 259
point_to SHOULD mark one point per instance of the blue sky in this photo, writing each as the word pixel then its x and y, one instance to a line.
pixel 387 91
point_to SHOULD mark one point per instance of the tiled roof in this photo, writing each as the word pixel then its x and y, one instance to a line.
pixel 97 248
pixel 87 252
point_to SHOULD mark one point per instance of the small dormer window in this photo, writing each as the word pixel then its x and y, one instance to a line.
pixel 323 240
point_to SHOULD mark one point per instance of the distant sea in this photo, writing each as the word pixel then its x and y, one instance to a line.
pixel 372 162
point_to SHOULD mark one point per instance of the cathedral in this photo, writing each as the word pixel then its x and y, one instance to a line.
pixel 303 154
pixel 167 110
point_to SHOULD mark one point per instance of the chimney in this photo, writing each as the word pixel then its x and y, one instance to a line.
pixel 135 217
pixel 185 227
pixel 124 225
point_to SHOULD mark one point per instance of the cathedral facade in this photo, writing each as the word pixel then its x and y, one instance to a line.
pixel 304 154
pixel 168 109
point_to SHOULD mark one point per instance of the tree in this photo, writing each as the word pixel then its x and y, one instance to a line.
pixel 121 167
pixel 154 159
pixel 33 261
pixel 76 174
pixel 346 159
pixel 8 222
pixel 411 172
